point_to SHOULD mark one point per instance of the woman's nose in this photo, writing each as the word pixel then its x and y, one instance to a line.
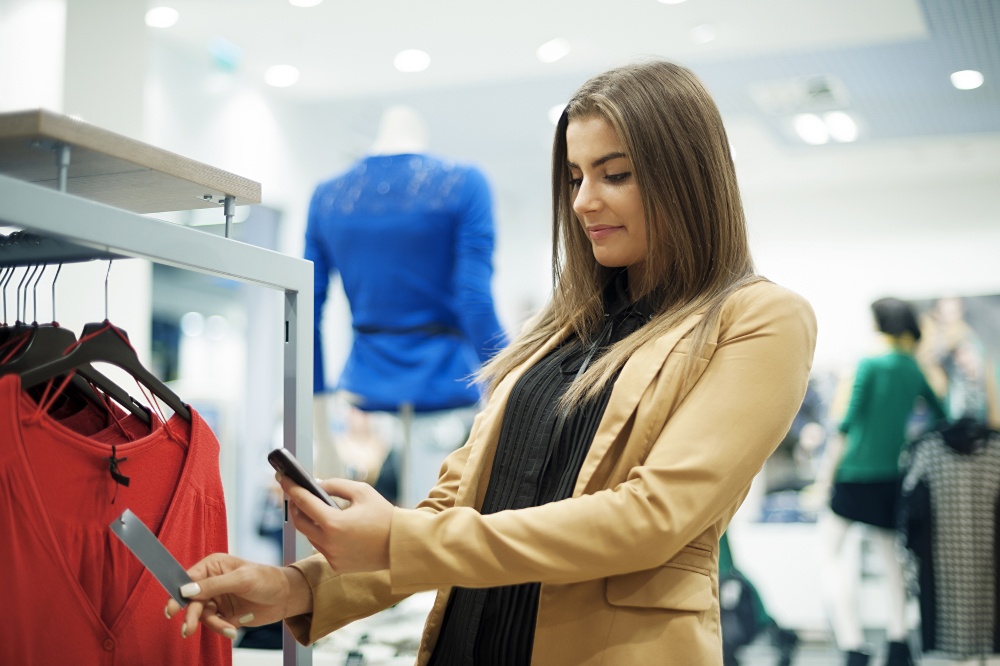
pixel 586 200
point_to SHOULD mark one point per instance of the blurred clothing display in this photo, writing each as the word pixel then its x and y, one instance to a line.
pixel 958 364
pixel 950 518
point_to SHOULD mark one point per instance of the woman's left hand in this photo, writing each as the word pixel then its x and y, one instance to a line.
pixel 352 540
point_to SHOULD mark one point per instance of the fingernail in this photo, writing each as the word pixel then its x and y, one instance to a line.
pixel 246 618
pixel 230 634
pixel 166 611
pixel 184 630
pixel 190 590
pixel 277 477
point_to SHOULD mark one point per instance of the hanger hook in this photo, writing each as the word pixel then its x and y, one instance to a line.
pixel 31 277
pixel 106 276
pixel 7 273
pixel 34 292
pixel 54 278
pixel 4 279
pixel 24 278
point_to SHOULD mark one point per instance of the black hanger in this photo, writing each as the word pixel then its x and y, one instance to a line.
pixel 49 343
pixel 104 342
pixel 966 435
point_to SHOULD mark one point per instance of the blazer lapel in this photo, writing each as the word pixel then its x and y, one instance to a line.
pixel 636 376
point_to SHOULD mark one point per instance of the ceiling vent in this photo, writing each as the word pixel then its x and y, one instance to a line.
pixel 805 94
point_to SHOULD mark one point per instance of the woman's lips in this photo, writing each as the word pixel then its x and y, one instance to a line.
pixel 599 231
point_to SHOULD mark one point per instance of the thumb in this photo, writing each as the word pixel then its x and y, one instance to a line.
pixel 209 588
pixel 351 491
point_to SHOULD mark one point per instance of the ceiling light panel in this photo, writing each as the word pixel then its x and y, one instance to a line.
pixel 967 79
pixel 412 60
pixel 162 17
pixel 553 50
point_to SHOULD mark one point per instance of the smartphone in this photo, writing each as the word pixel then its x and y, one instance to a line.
pixel 282 460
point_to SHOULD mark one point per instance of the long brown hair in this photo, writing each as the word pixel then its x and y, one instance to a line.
pixel 698 252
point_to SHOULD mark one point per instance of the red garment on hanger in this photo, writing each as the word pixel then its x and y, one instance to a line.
pixel 73 591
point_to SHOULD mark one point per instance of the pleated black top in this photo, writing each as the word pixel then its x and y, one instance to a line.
pixel 539 455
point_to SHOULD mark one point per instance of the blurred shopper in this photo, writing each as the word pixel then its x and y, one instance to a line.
pixel 958 365
pixel 411 236
pixel 863 468
pixel 580 524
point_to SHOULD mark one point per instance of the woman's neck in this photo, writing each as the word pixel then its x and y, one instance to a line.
pixel 901 343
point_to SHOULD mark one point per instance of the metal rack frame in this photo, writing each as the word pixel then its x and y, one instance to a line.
pixel 108 229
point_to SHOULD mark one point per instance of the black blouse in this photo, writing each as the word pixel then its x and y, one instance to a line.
pixel 539 455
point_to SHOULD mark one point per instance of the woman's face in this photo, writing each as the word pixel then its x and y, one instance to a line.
pixel 605 194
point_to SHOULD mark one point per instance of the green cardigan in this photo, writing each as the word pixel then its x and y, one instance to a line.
pixel 886 389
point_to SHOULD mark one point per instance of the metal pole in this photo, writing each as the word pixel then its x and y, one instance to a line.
pixel 229 207
pixel 62 164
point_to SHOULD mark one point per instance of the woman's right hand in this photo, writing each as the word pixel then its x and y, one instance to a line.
pixel 229 592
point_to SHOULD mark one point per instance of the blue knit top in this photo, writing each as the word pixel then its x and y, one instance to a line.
pixel 411 237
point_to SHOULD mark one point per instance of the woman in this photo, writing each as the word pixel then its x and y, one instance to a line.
pixel 580 523
pixel 862 468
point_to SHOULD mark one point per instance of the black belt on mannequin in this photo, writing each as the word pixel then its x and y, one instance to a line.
pixel 428 329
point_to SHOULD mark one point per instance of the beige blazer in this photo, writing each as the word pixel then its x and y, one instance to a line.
pixel 629 563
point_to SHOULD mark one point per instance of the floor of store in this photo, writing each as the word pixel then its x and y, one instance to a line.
pixel 390 638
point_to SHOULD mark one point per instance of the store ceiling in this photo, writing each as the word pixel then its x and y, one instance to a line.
pixel 888 61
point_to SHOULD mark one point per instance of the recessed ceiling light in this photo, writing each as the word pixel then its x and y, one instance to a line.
pixel 841 126
pixel 281 76
pixel 811 129
pixel 702 34
pixel 412 60
pixel 162 17
pixel 553 50
pixel 304 3
pixel 967 79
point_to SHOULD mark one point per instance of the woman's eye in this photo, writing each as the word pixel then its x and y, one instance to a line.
pixel 574 183
pixel 617 177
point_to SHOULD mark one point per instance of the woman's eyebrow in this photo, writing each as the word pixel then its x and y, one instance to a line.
pixel 599 161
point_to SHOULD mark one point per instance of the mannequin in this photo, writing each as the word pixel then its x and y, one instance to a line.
pixel 411 237
pixel 401 130
pixel 862 468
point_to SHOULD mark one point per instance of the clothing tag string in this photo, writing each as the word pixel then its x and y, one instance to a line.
pixel 120 479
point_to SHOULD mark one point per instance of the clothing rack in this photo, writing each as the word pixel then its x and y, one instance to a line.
pixel 79 190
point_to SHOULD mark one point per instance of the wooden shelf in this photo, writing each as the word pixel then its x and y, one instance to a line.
pixel 111 168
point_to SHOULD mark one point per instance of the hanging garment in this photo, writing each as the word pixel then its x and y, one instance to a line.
pixel 950 519
pixel 411 237
pixel 73 592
